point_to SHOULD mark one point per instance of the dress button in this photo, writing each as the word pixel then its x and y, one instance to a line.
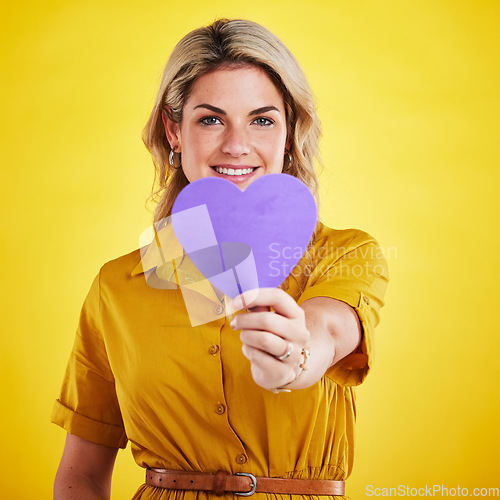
pixel 366 300
pixel 220 409
pixel 219 310
pixel 214 349
pixel 241 459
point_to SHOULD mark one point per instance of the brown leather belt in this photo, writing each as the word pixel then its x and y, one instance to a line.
pixel 241 483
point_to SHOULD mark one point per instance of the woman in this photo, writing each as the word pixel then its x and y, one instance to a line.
pixel 232 412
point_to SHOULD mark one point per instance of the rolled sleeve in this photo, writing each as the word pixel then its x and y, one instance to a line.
pixel 87 428
pixel 352 269
pixel 88 405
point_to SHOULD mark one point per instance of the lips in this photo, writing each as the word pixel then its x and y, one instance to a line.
pixel 234 171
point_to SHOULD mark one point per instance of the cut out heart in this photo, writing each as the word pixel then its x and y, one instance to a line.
pixel 274 219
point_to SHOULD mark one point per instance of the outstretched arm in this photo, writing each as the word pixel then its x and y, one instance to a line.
pixel 85 471
pixel 329 328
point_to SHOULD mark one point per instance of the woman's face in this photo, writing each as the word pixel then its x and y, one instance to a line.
pixel 233 127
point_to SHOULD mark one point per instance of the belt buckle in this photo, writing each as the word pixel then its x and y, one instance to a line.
pixel 253 485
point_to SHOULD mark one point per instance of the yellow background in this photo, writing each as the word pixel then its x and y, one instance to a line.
pixel 408 96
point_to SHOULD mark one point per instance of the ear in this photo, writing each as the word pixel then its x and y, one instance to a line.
pixel 288 143
pixel 172 131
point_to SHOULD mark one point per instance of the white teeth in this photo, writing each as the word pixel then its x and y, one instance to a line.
pixel 232 171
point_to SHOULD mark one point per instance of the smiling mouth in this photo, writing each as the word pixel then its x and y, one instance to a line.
pixel 234 171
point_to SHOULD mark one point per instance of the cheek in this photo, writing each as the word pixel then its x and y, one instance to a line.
pixel 197 143
pixel 275 151
pixel 195 155
pixel 192 148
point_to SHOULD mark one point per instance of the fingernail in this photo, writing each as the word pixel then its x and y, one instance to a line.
pixel 233 321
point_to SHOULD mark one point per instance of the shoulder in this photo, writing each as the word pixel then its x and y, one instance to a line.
pixel 347 255
pixel 121 269
pixel 341 241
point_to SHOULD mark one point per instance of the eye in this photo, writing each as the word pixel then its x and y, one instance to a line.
pixel 263 122
pixel 209 120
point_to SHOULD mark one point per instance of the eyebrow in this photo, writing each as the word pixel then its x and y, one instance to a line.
pixel 211 108
pixel 264 109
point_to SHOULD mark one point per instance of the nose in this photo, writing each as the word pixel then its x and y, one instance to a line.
pixel 236 141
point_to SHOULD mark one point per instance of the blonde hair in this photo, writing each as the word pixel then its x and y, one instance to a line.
pixel 221 44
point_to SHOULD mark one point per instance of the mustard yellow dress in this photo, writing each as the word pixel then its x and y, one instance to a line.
pixel 184 396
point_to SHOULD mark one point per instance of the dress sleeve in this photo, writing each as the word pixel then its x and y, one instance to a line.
pixel 354 271
pixel 88 406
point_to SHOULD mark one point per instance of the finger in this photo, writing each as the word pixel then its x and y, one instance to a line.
pixel 259 309
pixel 276 298
pixel 265 322
pixel 270 344
pixel 250 295
pixel 266 370
pixel 286 329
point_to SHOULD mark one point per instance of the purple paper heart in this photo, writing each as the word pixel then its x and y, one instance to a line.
pixel 245 239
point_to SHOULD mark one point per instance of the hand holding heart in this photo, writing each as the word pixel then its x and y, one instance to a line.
pixel 267 335
pixel 250 241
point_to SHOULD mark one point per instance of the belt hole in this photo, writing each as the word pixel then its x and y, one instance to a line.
pixel 191 481
pixel 175 480
pixel 160 479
